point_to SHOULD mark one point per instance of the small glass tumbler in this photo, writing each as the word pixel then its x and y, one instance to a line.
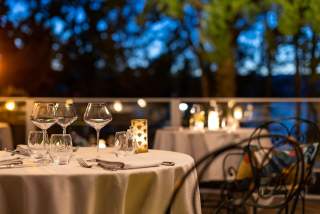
pixel 37 145
pixel 123 143
pixel 60 148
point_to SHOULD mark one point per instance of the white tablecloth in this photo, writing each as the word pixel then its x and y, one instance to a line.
pixel 5 136
pixel 72 189
pixel 199 143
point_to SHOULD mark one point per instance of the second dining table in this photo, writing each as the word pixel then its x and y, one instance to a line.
pixel 198 143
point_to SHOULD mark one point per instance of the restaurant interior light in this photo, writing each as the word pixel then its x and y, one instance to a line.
pixel 10 105
pixel 117 106
pixel 142 103
pixel 183 106
pixel 69 101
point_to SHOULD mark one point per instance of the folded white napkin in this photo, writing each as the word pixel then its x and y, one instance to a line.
pixel 141 164
pixel 129 164
pixel 7 158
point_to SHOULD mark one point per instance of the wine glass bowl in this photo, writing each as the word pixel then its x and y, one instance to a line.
pixel 43 115
pixel 97 116
pixel 65 115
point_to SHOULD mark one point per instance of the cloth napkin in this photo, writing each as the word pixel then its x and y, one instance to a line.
pixel 136 164
pixel 6 158
pixel 22 150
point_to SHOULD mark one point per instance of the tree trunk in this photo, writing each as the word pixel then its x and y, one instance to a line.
pixel 205 79
pixel 269 77
pixel 313 67
pixel 226 78
pixel 297 76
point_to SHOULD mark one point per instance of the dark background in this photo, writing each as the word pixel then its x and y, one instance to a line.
pixel 161 48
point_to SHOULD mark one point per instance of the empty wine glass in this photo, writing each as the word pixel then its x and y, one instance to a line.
pixel 43 116
pixel 65 115
pixel 97 116
pixel 36 144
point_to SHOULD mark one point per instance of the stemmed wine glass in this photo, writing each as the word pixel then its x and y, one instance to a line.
pixel 65 115
pixel 43 116
pixel 97 116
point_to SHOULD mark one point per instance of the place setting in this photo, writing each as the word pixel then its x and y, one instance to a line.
pixel 41 150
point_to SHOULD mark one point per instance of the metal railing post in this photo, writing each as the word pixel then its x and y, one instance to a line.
pixel 175 114
pixel 29 125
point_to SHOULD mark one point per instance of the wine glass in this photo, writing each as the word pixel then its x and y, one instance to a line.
pixel 65 115
pixel 43 116
pixel 97 116
pixel 36 144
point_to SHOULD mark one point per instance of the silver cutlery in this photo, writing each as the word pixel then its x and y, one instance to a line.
pixel 83 163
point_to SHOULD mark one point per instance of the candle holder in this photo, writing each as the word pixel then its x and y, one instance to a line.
pixel 213 117
pixel 139 129
pixel 197 118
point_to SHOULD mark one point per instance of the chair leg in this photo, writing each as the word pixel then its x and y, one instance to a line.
pixel 302 203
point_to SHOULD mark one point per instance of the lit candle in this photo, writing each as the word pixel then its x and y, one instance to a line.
pixel 102 144
pixel 237 113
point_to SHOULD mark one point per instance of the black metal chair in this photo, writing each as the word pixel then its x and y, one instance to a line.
pixel 240 193
pixel 307 133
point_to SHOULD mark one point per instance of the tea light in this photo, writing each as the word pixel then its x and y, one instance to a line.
pixel 102 144
pixel 237 113
pixel 140 134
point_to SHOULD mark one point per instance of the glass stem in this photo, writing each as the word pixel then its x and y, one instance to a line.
pixel 64 130
pixel 44 132
pixel 98 133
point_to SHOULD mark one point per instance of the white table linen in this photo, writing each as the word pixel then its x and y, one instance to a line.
pixel 198 143
pixel 76 190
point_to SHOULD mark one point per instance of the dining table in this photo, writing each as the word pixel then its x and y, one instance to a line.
pixel 73 189
pixel 198 143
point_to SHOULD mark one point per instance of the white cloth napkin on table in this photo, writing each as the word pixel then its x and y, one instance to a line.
pixel 6 158
pixel 141 164
pixel 131 164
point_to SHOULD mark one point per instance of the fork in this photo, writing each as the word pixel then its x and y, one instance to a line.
pixel 83 163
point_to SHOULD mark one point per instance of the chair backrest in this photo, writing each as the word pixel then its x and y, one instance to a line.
pixel 249 183
pixel 305 131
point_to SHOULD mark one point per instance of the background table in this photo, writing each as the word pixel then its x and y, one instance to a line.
pixel 5 136
pixel 75 190
pixel 199 143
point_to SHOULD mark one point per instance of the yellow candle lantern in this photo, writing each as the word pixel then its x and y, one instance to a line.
pixel 140 134
pixel 197 118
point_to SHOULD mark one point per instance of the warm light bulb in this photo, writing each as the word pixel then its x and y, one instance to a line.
pixel 117 106
pixel 142 103
pixel 10 105
pixel 183 106
pixel 69 101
